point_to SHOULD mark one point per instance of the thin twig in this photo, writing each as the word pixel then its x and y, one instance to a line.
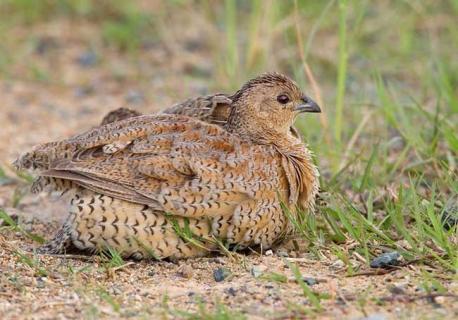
pixel 359 257
pixel 123 266
pixel 376 272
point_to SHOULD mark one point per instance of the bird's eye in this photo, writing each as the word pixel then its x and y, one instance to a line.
pixel 283 99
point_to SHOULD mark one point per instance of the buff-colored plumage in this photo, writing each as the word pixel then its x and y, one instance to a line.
pixel 169 185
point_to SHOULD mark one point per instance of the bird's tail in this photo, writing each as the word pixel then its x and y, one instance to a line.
pixel 41 156
pixel 37 158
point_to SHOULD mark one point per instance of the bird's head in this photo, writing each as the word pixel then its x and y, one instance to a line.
pixel 268 106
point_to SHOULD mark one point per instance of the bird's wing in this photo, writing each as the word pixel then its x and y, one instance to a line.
pixel 172 163
pixel 213 108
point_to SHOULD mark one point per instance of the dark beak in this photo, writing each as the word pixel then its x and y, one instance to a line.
pixel 308 106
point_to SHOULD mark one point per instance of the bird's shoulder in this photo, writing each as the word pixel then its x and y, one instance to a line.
pixel 213 108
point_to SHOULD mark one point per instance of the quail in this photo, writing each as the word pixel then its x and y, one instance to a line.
pixel 173 186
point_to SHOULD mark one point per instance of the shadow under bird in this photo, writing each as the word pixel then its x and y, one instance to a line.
pixel 171 185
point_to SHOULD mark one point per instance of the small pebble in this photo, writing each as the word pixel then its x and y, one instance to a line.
pixel 269 253
pixel 186 271
pixel 87 59
pixel 340 301
pixel 386 260
pixel 310 281
pixel 231 291
pixel 440 300
pixel 282 253
pixel 116 291
pixel 41 282
pixel 396 290
pixel 433 302
pixel 221 274
pixel 256 271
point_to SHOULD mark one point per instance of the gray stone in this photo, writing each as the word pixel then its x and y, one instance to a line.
pixel 221 274
pixel 386 260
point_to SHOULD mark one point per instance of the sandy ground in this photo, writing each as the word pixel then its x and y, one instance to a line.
pixel 76 287
pixel 43 287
